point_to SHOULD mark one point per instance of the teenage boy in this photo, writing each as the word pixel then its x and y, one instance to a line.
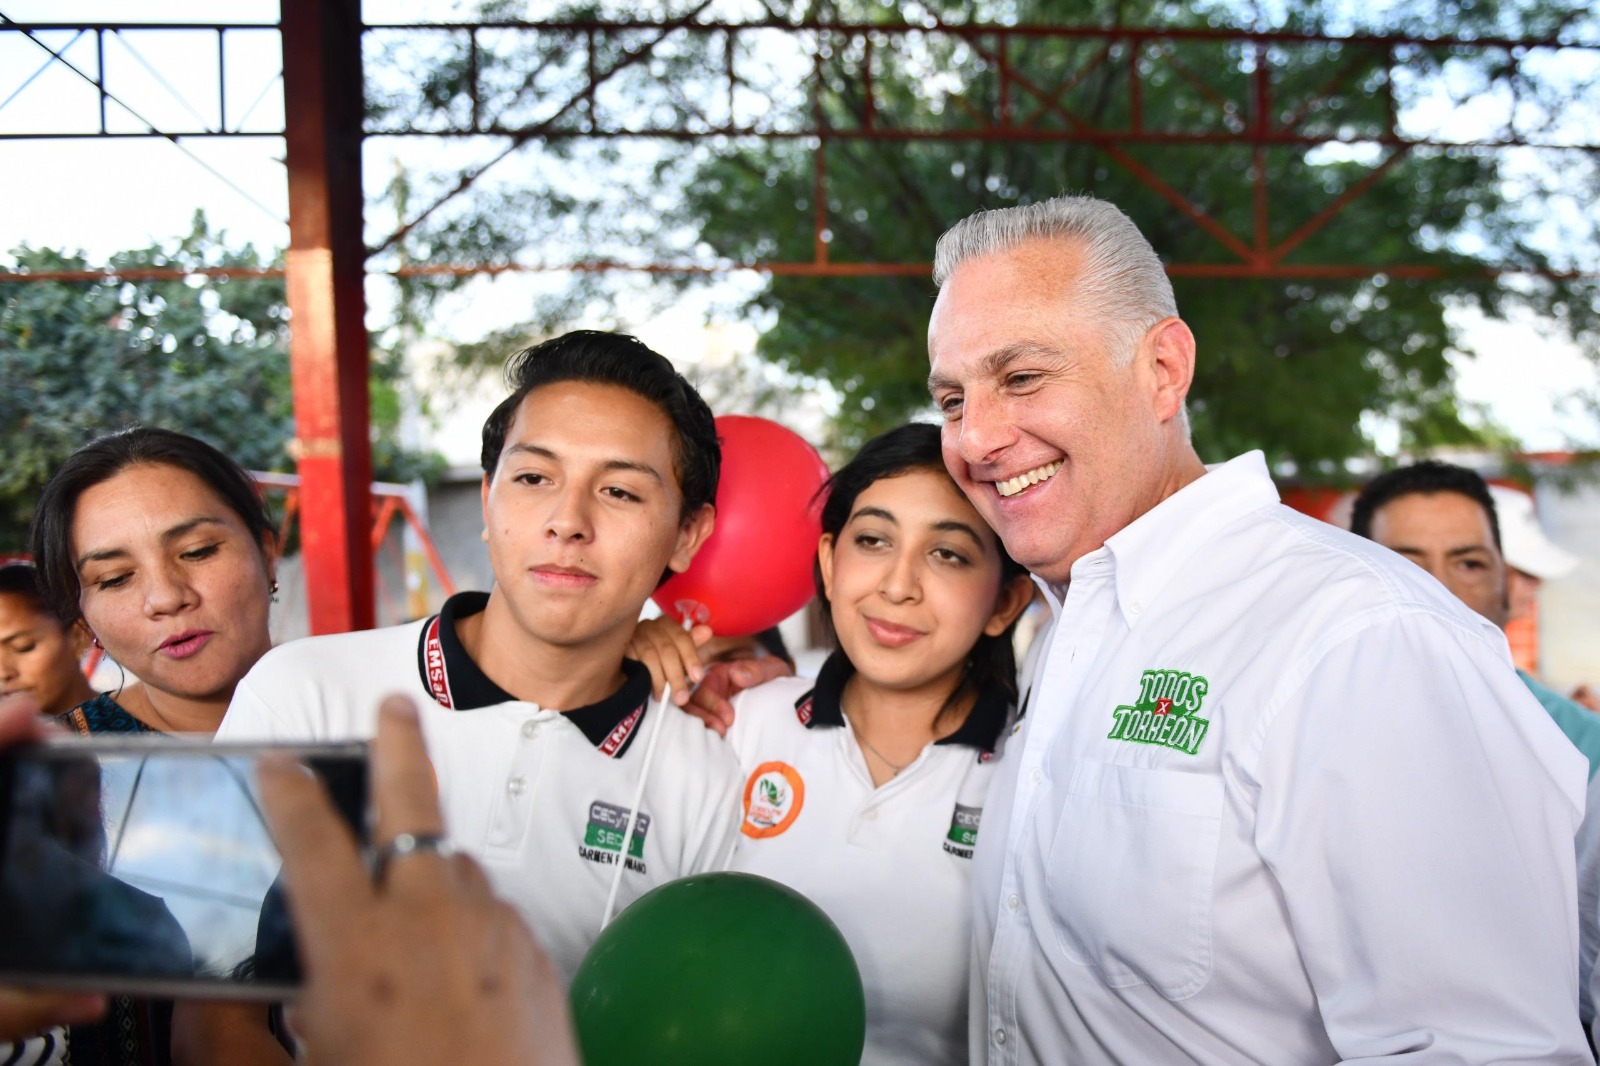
pixel 600 470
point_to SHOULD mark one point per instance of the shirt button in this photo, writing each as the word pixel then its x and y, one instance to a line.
pixel 1000 1037
pixel 516 785
pixel 870 814
pixel 1135 607
pixel 1013 901
pixel 529 728
pixel 1036 775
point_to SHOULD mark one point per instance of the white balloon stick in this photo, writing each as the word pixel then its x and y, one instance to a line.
pixel 633 809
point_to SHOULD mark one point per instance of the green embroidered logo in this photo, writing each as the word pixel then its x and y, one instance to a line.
pixel 1167 712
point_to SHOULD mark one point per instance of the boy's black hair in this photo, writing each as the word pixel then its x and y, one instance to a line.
pixel 1421 479
pixel 601 358
pixel 104 458
pixel 992 663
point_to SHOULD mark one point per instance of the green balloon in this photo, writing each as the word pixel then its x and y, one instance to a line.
pixel 722 969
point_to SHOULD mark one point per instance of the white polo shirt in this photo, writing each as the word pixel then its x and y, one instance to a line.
pixel 539 797
pixel 1278 798
pixel 890 865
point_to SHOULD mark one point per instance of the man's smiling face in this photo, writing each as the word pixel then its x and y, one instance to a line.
pixel 1056 445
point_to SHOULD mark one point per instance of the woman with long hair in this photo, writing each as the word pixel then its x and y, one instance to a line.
pixel 161 546
pixel 865 787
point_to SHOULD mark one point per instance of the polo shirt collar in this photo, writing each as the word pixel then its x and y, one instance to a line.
pixel 1151 550
pixel 824 705
pixel 457 683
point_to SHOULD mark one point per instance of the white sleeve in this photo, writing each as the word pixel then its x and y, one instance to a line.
pixel 1589 907
pixel 1417 808
pixel 717 826
pixel 251 718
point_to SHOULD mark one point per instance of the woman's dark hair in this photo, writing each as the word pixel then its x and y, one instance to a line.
pixel 992 663
pixel 600 358
pixel 103 459
pixel 22 579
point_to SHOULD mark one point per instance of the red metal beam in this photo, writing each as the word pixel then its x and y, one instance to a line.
pixel 324 271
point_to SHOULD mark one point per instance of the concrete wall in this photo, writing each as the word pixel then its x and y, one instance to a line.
pixel 1569 607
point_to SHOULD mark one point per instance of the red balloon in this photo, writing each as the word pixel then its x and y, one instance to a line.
pixel 755 568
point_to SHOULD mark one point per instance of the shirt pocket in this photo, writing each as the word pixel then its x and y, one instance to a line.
pixel 1130 875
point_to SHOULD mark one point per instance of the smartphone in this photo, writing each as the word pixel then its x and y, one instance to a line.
pixel 143 865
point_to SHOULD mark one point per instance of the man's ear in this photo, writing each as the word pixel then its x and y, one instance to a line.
pixel 1168 347
pixel 1015 595
pixel 825 563
pixel 692 536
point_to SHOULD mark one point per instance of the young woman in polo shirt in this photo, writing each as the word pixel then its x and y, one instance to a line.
pixel 864 789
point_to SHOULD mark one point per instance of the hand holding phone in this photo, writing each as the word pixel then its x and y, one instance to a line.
pixel 144 865
pixel 24 1011
pixel 421 966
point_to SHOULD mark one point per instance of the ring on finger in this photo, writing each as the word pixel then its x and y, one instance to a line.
pixel 409 844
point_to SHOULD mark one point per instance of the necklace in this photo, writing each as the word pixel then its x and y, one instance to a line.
pixel 890 763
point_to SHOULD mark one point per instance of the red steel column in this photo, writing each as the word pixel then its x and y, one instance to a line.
pixel 324 273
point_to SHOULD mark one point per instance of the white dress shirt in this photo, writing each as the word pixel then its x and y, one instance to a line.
pixel 1278 798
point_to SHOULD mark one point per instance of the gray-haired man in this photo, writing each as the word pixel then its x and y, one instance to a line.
pixel 1264 798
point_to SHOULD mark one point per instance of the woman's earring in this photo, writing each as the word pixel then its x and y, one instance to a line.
pixel 96 642
pixel 272 592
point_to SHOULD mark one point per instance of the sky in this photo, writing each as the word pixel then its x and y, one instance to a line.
pixel 101 197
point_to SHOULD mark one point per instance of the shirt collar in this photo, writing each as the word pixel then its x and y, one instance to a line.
pixel 1150 550
pixel 457 683
pixel 823 705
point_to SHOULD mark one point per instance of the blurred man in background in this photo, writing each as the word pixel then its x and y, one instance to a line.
pixel 1446 519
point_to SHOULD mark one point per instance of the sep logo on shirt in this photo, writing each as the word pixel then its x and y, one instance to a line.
pixel 963 835
pixel 602 838
pixel 773 797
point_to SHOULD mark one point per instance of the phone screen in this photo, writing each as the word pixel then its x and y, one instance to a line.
pixel 145 865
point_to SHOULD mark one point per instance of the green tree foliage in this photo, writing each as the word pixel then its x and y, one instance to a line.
pixel 206 355
pixel 1309 368
pixel 81 359
pixel 1290 365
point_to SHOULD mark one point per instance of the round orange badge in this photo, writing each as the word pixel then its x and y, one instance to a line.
pixel 772 799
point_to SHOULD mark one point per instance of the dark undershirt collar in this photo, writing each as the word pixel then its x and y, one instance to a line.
pixel 824 706
pixel 458 684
